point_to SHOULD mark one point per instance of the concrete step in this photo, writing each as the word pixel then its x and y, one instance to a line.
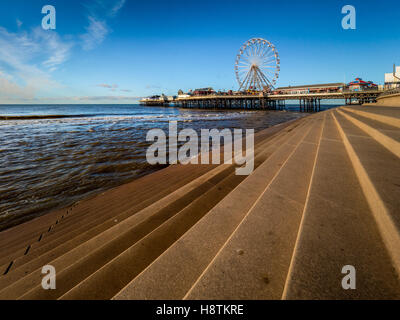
pixel 85 267
pixel 262 139
pixel 387 115
pixel 376 170
pixel 387 135
pixel 21 236
pixel 23 284
pixel 85 225
pixel 141 253
pixel 253 263
pixel 92 262
pixel 18 241
pixel 338 229
pixel 32 278
pixel 80 228
pixel 50 251
pixel 30 234
pixel 179 267
pixel 387 129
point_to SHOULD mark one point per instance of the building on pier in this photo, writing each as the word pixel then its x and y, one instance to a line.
pixel 392 80
pixel 203 92
pixel 360 85
pixel 314 88
pixel 183 96
pixel 155 100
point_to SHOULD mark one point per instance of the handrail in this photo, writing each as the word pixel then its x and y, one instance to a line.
pixel 390 91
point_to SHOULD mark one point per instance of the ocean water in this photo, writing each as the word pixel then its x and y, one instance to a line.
pixel 48 162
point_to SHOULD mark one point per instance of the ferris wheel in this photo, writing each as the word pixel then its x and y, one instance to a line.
pixel 257 65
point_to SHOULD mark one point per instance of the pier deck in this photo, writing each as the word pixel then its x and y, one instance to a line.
pixel 308 102
pixel 324 194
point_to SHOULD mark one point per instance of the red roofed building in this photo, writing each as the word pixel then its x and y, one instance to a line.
pixel 203 92
pixel 360 85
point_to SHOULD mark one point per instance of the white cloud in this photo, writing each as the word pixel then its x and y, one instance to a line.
pixel 57 50
pixel 108 86
pixel 27 59
pixel 153 86
pixel 118 6
pixel 11 90
pixel 22 48
pixel 23 96
pixel 96 33
pixel 97 30
pixel 107 98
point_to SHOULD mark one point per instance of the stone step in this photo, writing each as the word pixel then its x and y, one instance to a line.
pixel 253 263
pixel 376 169
pixel 387 115
pixel 86 226
pixel 387 135
pixel 110 199
pixel 50 251
pixel 179 267
pixel 79 227
pixel 23 284
pixel 338 229
pixel 18 241
pixel 84 232
pixel 141 253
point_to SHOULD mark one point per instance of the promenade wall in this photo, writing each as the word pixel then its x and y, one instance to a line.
pixel 392 100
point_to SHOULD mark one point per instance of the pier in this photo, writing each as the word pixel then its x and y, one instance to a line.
pixel 308 102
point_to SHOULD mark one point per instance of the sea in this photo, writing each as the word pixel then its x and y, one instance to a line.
pixel 54 155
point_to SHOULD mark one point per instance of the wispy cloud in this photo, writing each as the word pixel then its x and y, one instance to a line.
pixel 108 86
pixel 112 87
pixel 153 86
pixel 72 99
pixel 95 35
pixel 117 6
pixel 27 60
pixel 100 11
pixel 58 50
pixel 107 98
pixel 11 90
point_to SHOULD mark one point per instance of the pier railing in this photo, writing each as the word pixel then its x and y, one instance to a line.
pixel 390 92
pixel 307 101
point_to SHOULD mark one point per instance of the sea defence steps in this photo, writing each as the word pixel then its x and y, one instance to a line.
pixel 389 100
pixel 324 194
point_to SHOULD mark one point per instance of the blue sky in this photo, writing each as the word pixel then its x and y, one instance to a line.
pixel 114 51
